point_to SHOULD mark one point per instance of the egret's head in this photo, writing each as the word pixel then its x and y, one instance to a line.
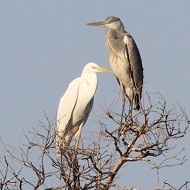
pixel 110 22
pixel 93 68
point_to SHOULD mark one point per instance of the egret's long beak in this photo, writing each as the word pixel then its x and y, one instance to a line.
pixel 102 69
pixel 100 24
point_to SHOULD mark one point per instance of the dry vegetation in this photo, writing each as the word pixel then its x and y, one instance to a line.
pixel 139 136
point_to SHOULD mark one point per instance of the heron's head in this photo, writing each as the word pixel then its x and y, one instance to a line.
pixel 110 22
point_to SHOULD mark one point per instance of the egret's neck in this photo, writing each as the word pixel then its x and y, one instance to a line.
pixel 91 81
pixel 89 76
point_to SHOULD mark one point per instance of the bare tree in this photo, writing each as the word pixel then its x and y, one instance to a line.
pixel 138 136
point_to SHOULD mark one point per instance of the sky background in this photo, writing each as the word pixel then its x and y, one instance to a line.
pixel 44 44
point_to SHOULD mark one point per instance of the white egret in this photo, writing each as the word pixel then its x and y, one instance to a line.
pixel 75 106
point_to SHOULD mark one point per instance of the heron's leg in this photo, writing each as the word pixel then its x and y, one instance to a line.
pixel 131 104
pixel 123 102
pixel 130 108
pixel 128 118
pixel 122 113
pixel 123 106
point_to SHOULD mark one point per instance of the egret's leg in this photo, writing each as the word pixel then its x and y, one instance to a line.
pixel 78 138
pixel 61 159
pixel 143 141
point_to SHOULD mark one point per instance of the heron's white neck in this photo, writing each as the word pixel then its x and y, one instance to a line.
pixel 115 33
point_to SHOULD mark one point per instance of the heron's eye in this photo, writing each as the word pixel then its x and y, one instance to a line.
pixel 109 22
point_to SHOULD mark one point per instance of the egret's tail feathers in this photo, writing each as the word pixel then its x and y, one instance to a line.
pixel 62 143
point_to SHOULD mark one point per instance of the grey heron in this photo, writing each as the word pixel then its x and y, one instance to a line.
pixel 124 59
pixel 75 106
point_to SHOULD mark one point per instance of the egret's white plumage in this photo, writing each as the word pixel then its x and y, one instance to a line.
pixel 124 59
pixel 75 106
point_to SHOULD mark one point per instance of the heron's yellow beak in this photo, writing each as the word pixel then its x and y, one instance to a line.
pixel 100 24
pixel 102 69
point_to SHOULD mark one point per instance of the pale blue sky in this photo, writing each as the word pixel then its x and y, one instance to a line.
pixel 44 44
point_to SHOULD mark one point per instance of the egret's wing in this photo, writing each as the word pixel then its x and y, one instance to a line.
pixel 86 115
pixel 67 104
pixel 88 108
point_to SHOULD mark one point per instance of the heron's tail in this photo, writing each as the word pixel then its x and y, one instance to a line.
pixel 137 102
pixel 134 98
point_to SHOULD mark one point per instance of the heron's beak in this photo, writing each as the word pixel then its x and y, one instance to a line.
pixel 100 24
pixel 102 69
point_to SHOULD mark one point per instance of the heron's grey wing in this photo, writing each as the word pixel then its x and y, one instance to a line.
pixel 67 104
pixel 134 58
